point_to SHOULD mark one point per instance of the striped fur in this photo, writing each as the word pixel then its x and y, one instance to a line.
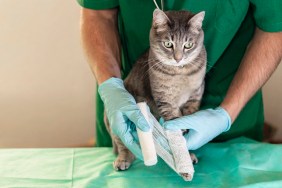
pixel 171 81
pixel 168 85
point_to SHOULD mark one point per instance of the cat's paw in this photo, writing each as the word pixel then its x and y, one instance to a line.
pixel 123 161
pixel 194 158
pixel 121 164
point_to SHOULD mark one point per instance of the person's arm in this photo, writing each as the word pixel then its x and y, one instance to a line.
pixel 101 43
pixel 102 46
pixel 261 59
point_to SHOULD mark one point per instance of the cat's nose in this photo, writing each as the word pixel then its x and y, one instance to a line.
pixel 178 56
pixel 178 59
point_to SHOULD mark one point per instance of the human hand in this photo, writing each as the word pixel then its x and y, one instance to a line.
pixel 122 113
pixel 203 126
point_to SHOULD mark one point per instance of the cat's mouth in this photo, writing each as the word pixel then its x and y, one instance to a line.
pixel 176 64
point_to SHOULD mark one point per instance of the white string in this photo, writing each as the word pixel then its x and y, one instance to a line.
pixel 162 4
pixel 156 4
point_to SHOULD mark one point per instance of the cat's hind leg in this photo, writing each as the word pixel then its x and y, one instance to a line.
pixel 188 108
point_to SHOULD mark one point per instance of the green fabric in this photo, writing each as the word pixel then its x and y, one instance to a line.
pixel 98 4
pixel 228 27
pixel 237 163
pixel 102 136
pixel 268 15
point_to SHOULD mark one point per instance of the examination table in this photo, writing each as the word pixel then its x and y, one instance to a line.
pixel 237 163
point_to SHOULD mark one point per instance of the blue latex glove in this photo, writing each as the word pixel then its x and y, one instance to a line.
pixel 203 126
pixel 123 112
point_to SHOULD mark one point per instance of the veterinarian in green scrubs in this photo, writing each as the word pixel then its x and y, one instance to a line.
pixel 229 26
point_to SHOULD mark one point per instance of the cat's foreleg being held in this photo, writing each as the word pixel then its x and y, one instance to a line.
pixel 168 111
pixel 193 103
pixel 190 107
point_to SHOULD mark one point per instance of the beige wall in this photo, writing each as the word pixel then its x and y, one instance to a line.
pixel 273 102
pixel 46 87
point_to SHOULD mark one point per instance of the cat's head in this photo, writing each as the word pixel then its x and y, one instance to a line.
pixel 176 37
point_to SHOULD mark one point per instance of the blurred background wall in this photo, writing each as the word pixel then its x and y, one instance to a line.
pixel 273 103
pixel 46 87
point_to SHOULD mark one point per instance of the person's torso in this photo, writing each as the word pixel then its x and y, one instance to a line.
pixel 228 26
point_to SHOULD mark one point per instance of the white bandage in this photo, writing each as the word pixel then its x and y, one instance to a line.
pixel 169 145
pixel 146 139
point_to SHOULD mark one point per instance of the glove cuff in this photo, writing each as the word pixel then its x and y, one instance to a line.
pixel 112 80
pixel 226 115
pixel 106 86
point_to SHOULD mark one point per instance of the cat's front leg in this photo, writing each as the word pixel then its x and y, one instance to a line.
pixel 168 111
pixel 193 103
pixel 124 156
pixel 191 106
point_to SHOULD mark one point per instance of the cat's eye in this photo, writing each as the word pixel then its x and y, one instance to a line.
pixel 189 45
pixel 168 44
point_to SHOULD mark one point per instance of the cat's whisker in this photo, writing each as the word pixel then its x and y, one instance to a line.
pixel 152 59
pixel 196 65
pixel 155 65
pixel 147 72
pixel 207 65
pixel 201 58
pixel 145 63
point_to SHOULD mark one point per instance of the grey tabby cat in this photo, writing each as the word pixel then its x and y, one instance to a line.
pixel 169 77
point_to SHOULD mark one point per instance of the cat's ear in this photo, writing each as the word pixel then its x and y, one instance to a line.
pixel 197 20
pixel 160 19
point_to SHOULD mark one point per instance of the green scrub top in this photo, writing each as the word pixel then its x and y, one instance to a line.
pixel 229 26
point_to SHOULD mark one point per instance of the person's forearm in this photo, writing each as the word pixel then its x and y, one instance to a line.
pixel 261 59
pixel 101 43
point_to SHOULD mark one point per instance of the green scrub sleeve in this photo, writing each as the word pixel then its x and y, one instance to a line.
pixel 99 4
pixel 268 14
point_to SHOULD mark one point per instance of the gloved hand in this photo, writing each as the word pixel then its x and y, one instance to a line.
pixel 122 111
pixel 203 126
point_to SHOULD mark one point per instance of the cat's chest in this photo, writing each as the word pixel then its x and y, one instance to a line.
pixel 184 90
pixel 179 89
pixel 183 95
